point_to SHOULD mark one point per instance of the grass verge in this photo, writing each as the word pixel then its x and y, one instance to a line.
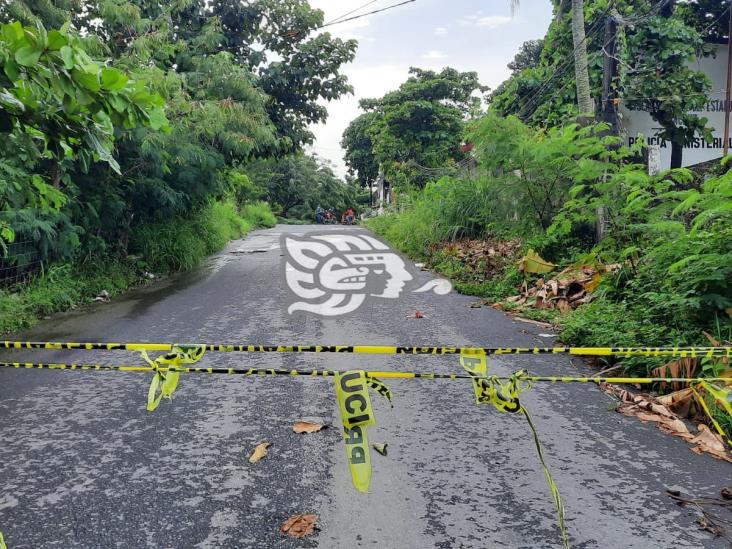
pixel 168 246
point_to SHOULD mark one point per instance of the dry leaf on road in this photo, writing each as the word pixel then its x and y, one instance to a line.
pixel 708 440
pixel 260 451
pixel 417 314
pixel 299 526
pixel 647 408
pixel 307 427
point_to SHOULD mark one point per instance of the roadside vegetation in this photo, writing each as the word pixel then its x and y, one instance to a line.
pixel 132 132
pixel 546 214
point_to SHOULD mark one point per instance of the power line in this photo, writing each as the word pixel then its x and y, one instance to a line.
pixel 622 21
pixel 717 20
pixel 561 70
pixel 367 13
pixel 594 30
pixel 333 21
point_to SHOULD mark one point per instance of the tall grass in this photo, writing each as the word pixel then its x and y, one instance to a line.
pixel 172 245
pixel 448 209
pixel 259 213
pixel 178 244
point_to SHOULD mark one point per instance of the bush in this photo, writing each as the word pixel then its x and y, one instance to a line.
pixel 60 288
pixel 171 245
pixel 178 244
pixel 260 214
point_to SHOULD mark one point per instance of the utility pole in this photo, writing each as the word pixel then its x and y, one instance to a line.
pixel 582 76
pixel 729 84
pixel 609 70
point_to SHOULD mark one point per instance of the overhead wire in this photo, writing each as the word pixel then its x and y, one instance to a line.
pixel 365 14
pixel 562 69
pixel 591 33
pixel 531 102
pixel 333 21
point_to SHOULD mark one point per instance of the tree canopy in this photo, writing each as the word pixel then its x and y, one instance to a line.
pixel 415 128
pixel 133 111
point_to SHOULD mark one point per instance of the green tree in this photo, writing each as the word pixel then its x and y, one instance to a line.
pixel 274 39
pixel 60 111
pixel 359 147
pixel 528 56
pixel 419 126
pixel 663 83
pixel 295 185
pixel 709 17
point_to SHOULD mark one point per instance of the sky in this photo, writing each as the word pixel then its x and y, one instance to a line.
pixel 468 35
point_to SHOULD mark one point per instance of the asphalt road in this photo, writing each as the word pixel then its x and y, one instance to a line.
pixel 85 465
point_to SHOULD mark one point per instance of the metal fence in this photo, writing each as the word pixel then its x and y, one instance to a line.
pixel 21 263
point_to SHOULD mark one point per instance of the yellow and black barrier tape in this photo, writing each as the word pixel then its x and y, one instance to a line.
pixel 351 386
pixel 681 352
pixel 370 373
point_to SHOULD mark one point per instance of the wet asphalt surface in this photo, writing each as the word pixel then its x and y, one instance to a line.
pixel 85 465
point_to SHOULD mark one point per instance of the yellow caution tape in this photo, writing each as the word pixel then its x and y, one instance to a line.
pixel 165 382
pixel 2 542
pixel 474 362
pixel 503 394
pixel 721 395
pixel 380 387
pixel 369 373
pixel 683 352
pixel 354 405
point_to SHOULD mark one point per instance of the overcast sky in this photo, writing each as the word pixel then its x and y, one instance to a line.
pixel 469 35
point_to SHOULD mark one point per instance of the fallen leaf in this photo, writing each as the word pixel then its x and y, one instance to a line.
pixel 260 451
pixel 563 305
pixel 476 305
pixel 711 339
pixel 307 427
pixel 678 402
pixel 417 314
pixel 533 263
pixel 593 283
pixel 299 526
pixel 708 440
pixel 380 448
pixel 726 493
pixel 534 322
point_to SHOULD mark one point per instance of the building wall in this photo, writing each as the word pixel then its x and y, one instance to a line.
pixel 634 123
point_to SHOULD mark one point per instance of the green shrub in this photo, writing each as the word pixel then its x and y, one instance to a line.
pixel 260 214
pixel 178 244
pixel 172 245
pixel 58 289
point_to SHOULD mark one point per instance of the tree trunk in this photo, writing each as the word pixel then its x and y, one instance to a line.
pixel 677 154
pixel 609 68
pixel 582 75
pixel 55 174
pixel 561 9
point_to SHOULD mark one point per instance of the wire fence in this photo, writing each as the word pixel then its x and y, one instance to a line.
pixel 21 263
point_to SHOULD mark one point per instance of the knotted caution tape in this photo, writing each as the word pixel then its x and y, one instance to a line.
pixel 682 352
pixel 722 395
pixel 354 405
pixel 503 394
pixel 165 381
